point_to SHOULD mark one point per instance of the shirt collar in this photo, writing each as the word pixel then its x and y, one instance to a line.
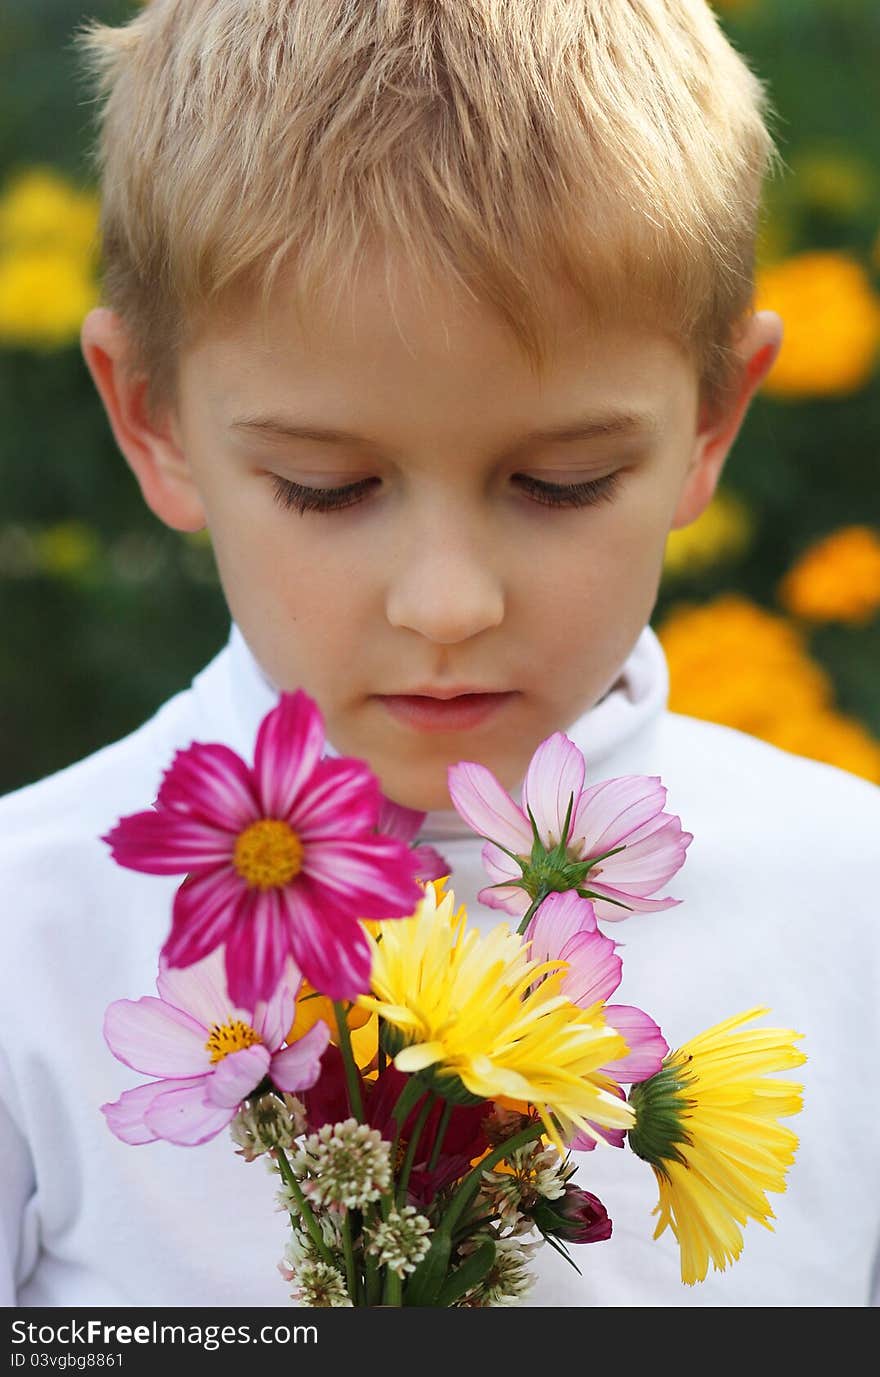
pixel 233 694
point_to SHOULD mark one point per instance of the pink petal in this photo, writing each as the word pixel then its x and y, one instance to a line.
pixel 594 970
pixel 331 951
pixel 211 783
pixel 647 1045
pixel 199 989
pixel 233 1078
pixel 554 779
pixel 397 821
pixel 155 1038
pixel 374 877
pixel 509 898
pixel 613 913
pixel 340 798
pixel 289 745
pixel 298 1066
pixel 430 865
pixel 184 1115
pixel 646 864
pixel 168 843
pixel 498 865
pixel 206 909
pixel 582 1142
pixel 125 1116
pixel 608 811
pixel 273 1018
pixel 487 808
pixel 560 917
pixel 257 948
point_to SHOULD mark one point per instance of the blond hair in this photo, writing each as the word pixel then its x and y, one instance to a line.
pixel 620 145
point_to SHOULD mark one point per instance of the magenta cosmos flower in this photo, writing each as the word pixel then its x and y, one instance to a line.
pixel 282 859
pixel 612 843
pixel 207 1054
pixel 564 929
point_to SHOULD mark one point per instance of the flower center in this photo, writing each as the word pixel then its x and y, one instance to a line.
pixel 230 1037
pixel 268 854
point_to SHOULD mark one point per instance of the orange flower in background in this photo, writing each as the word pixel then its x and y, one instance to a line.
pixel 837 579
pixel 722 532
pixel 730 661
pixel 831 737
pixel 832 324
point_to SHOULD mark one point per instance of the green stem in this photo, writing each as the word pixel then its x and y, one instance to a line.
pixel 305 1209
pixel 412 1146
pixel 348 1250
pixel 533 908
pixel 441 1134
pixel 471 1183
pixel 352 1075
pixel 393 1294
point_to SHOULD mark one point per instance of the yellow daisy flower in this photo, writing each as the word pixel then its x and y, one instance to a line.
pixel 707 1124
pixel 477 1019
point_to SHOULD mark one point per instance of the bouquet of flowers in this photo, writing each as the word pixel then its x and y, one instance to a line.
pixel 424 1092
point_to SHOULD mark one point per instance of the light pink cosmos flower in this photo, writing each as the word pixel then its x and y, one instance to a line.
pixel 208 1055
pixel 564 929
pixel 623 815
pixel 280 860
pixel 403 823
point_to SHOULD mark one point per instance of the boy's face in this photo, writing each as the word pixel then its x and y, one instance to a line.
pixel 478 553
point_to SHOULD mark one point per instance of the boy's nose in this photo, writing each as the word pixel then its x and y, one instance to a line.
pixel 445 591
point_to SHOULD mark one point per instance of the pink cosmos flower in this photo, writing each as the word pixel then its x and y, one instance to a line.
pixel 619 845
pixel 564 929
pixel 282 859
pixel 208 1055
pixel 403 823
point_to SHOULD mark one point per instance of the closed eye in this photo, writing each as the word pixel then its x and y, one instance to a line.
pixel 304 499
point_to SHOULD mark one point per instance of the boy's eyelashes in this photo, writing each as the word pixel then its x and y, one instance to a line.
pixel 303 499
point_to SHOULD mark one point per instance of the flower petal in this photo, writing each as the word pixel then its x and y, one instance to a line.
pixel 594 970
pixel 288 747
pixel 430 865
pixel 648 862
pixel 487 808
pixel 373 877
pixel 168 843
pixel 274 1017
pixel 554 779
pixel 509 898
pixel 212 784
pixel 298 1066
pixel 184 1115
pixel 560 917
pixel 332 951
pixel 608 811
pixel 206 909
pixel 340 798
pixel 125 1116
pixel 257 948
pixel 647 1045
pixel 612 912
pixel 155 1038
pixel 233 1078
pixel 397 821
pixel 199 989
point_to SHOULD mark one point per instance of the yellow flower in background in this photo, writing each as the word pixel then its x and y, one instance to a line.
pixel 67 549
pixel 48 248
pixel 707 1125
pixel 836 579
pixel 44 296
pixel 832 179
pixel 721 533
pixel 832 324
pixel 42 208
pixel 731 661
pixel 831 737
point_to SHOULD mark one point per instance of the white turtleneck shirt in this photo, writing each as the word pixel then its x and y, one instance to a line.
pixel 778 908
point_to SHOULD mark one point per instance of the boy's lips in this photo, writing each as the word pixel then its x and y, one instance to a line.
pixel 444 710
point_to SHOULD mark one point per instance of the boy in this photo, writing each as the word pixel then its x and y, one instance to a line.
pixel 437 314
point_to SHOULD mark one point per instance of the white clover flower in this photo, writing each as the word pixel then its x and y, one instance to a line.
pixel 344 1165
pixel 508 1280
pixel 272 1121
pixel 535 1173
pixel 321 1286
pixel 400 1241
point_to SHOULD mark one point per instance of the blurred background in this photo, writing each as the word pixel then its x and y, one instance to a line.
pixel 770 604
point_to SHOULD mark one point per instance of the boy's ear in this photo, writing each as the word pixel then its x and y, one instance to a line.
pixel 147 442
pixel 757 348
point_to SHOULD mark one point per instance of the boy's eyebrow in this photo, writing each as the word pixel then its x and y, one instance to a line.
pixel 614 424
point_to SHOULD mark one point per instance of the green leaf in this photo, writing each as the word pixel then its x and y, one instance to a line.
pixel 426 1281
pixel 468 1275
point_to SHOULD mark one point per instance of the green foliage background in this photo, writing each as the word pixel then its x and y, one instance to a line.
pixel 87 655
